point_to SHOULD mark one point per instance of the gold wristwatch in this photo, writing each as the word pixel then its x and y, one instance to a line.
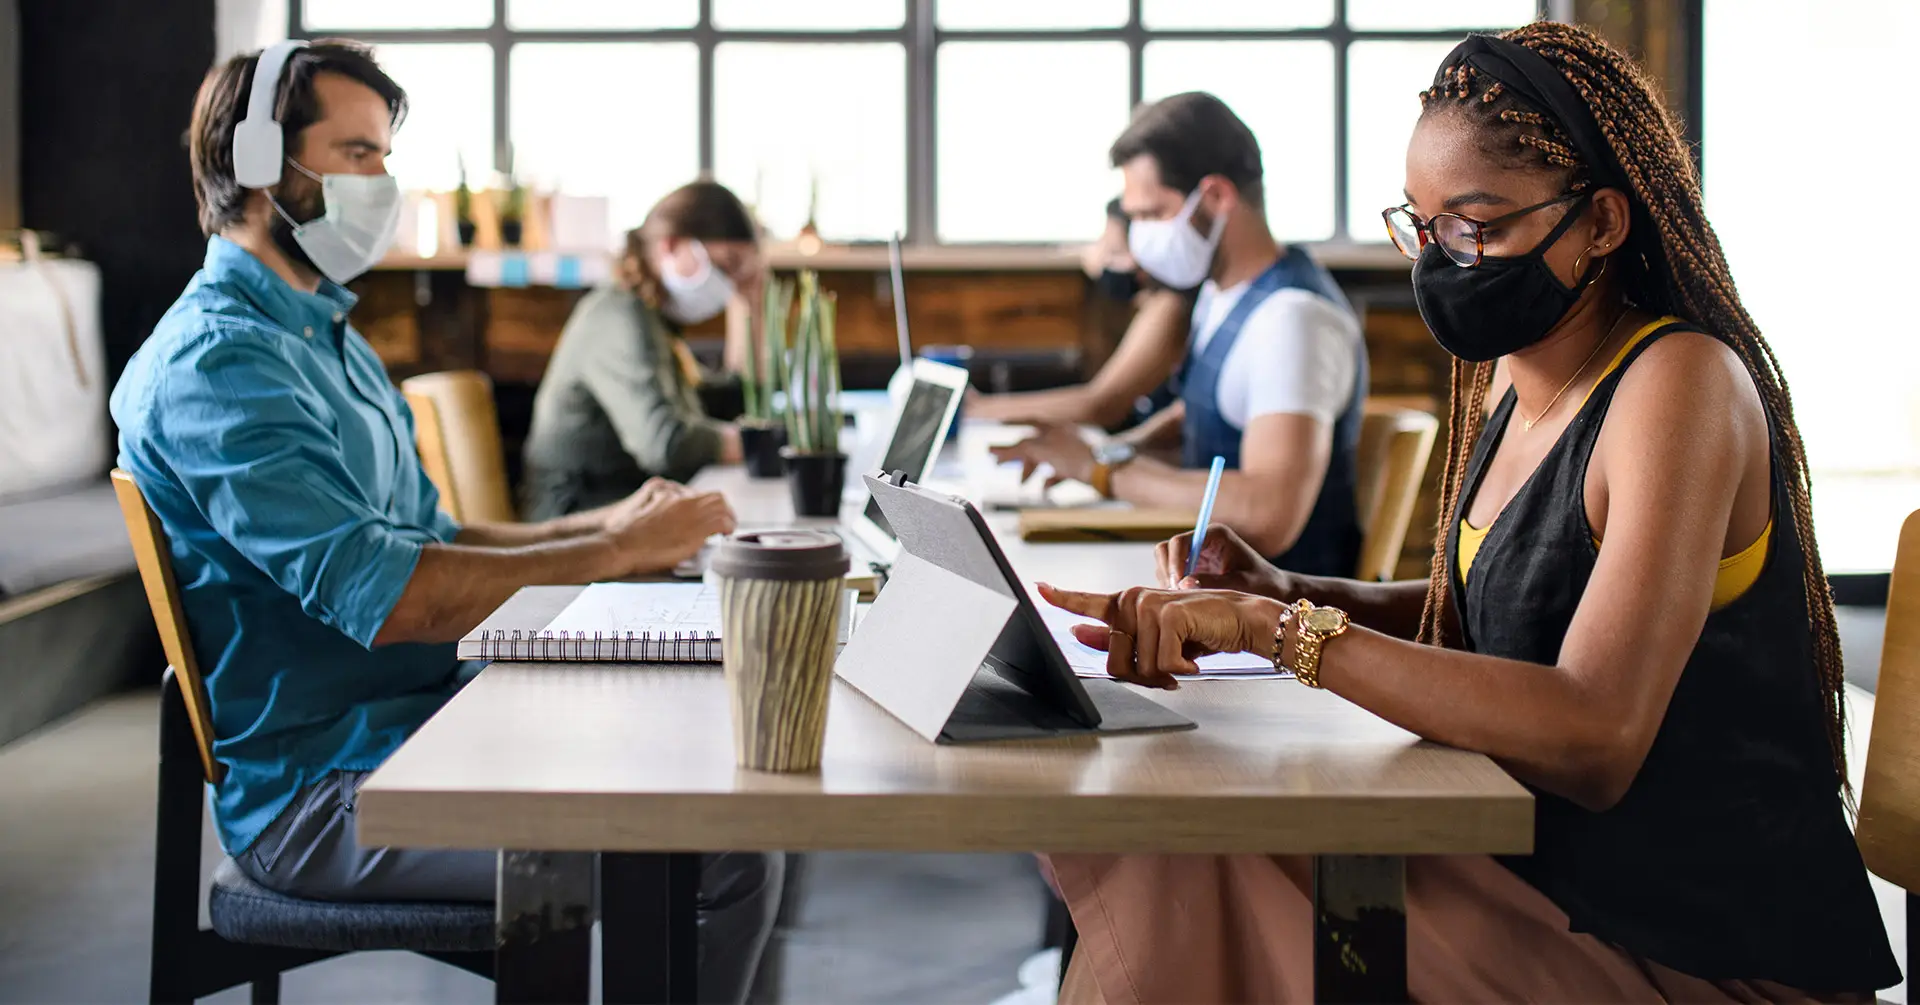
pixel 1312 627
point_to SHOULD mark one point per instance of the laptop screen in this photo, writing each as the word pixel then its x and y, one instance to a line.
pixel 913 438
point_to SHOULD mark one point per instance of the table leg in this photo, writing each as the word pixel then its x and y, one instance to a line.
pixel 1359 928
pixel 649 928
pixel 544 927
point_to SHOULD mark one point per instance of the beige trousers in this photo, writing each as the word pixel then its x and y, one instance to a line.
pixel 1176 929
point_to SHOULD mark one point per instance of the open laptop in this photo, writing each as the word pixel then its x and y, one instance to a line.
pixel 922 420
pixel 955 648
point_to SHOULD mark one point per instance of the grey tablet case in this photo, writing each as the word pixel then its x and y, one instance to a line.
pixel 954 648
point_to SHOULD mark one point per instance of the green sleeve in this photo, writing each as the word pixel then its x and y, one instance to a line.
pixel 631 371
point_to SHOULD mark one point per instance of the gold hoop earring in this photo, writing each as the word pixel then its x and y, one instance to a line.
pixel 1580 266
pixel 1580 262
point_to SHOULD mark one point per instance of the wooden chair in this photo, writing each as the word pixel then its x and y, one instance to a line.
pixel 457 431
pixel 1395 443
pixel 257 934
pixel 1888 829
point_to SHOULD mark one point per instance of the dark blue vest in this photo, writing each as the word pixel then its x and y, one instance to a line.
pixel 1329 544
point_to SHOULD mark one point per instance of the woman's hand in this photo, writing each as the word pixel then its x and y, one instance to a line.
pixel 1149 636
pixel 1226 563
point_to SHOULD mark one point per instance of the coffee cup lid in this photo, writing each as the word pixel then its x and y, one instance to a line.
pixel 782 554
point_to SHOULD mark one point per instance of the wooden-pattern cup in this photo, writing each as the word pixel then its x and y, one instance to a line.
pixel 780 597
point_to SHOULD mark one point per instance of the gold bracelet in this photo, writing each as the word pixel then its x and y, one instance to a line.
pixel 1280 638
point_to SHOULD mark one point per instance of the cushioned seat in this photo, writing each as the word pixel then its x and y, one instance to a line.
pixel 57 536
pixel 245 911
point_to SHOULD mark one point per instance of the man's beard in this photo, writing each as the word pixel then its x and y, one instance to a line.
pixel 302 199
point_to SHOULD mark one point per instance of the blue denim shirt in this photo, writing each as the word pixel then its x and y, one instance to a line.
pixel 266 435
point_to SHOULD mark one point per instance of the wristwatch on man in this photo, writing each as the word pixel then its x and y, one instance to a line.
pixel 1312 627
pixel 1109 457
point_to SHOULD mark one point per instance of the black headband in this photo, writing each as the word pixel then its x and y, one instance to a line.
pixel 1528 74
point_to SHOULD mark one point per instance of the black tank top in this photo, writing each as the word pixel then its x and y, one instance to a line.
pixel 1729 857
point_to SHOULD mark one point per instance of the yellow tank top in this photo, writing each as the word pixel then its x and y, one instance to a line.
pixel 1738 572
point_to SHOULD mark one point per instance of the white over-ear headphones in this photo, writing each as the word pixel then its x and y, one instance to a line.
pixel 259 145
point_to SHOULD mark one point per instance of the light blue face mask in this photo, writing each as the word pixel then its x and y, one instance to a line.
pixel 361 218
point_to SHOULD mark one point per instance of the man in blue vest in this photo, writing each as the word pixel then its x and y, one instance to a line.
pixel 1275 374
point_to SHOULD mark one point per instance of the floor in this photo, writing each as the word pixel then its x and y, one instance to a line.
pixel 76 843
pixel 76 836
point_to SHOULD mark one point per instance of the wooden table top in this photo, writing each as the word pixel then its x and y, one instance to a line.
pixel 637 758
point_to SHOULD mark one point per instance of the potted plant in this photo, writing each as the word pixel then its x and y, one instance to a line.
pixel 513 210
pixel 463 207
pixel 816 467
pixel 762 429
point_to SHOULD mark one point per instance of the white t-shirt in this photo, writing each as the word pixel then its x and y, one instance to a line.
pixel 1296 354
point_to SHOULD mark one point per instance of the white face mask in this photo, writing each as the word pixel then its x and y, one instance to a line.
pixel 1171 250
pixel 693 299
pixel 362 216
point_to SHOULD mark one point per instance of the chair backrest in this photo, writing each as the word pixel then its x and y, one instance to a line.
pixel 457 431
pixel 1394 446
pixel 163 596
pixel 1889 826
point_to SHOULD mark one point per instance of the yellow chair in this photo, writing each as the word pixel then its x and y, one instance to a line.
pixel 1395 444
pixel 457 432
pixel 1889 826
pixel 257 934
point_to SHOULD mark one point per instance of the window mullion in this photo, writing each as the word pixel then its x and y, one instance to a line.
pixel 502 58
pixel 705 37
pixel 1342 39
pixel 922 61
pixel 1136 56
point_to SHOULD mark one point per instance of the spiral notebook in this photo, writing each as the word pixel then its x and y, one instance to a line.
pixel 609 623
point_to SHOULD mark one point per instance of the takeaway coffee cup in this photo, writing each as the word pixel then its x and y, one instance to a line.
pixel 780 597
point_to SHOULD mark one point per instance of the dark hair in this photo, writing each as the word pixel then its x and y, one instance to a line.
pixel 1114 212
pixel 702 210
pixel 1671 264
pixel 222 103
pixel 1191 136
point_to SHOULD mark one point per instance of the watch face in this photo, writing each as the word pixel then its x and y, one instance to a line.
pixel 1324 619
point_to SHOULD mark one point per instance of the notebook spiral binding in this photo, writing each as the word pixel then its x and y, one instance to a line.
pixel 625 647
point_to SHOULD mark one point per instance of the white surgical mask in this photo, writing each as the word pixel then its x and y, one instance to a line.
pixel 1171 250
pixel 693 299
pixel 362 216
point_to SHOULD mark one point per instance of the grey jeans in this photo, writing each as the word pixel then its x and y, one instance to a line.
pixel 309 851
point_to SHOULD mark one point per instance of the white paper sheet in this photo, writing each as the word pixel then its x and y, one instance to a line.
pixel 641 607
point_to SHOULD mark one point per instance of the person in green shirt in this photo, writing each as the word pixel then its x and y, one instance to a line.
pixel 618 404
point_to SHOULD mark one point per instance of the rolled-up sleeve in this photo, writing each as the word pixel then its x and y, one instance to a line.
pixel 260 459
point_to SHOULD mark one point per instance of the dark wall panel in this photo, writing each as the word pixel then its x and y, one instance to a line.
pixel 106 89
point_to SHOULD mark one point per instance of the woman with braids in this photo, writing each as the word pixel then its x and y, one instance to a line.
pixel 1626 609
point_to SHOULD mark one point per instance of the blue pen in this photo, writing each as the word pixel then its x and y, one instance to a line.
pixel 1206 512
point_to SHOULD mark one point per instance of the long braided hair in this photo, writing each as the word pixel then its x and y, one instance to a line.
pixel 1671 264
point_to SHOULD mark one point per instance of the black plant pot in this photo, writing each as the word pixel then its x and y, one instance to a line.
pixel 816 481
pixel 466 229
pixel 761 446
pixel 510 233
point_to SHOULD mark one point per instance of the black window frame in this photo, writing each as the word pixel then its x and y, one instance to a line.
pixel 921 36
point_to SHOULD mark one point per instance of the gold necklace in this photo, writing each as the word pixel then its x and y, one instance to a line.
pixel 1528 424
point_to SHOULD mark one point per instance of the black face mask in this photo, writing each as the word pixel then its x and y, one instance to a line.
pixel 1495 308
pixel 1115 284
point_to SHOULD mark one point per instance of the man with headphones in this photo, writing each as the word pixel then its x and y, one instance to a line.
pixel 323 587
